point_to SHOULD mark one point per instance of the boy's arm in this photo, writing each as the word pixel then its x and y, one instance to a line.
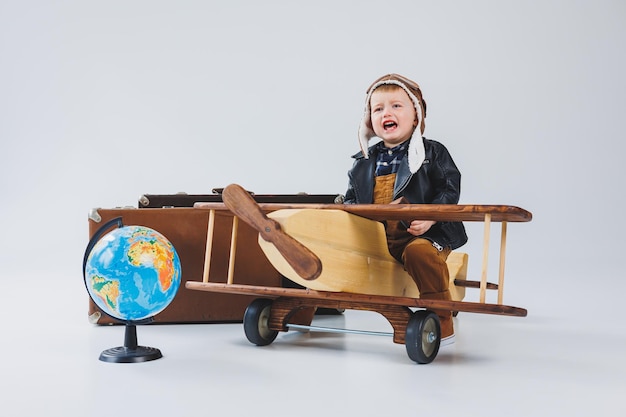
pixel 446 179
pixel 350 197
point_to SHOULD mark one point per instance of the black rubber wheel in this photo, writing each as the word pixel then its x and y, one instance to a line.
pixel 256 322
pixel 423 336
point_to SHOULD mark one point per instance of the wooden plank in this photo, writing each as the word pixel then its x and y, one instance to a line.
pixel 275 292
pixel 407 212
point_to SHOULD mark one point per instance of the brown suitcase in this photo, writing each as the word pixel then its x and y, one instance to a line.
pixel 186 229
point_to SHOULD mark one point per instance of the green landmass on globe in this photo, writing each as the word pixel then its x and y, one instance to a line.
pixel 133 273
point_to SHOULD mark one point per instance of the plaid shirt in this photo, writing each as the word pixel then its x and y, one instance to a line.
pixel 388 159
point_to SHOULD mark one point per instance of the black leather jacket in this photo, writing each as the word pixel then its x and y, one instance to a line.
pixel 438 181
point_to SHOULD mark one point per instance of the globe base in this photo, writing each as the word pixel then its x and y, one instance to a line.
pixel 123 354
pixel 131 352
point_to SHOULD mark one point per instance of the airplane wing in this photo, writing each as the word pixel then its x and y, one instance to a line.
pixel 407 212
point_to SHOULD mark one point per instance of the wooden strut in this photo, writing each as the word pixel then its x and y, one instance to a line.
pixel 209 246
pixel 502 256
pixel 483 276
pixel 233 249
pixel 484 285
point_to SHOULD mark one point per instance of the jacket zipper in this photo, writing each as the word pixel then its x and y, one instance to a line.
pixel 437 246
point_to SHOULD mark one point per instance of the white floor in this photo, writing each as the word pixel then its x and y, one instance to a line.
pixel 555 362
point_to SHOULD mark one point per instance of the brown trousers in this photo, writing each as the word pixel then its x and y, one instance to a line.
pixel 424 263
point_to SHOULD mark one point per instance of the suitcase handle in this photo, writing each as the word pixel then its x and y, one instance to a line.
pixel 221 190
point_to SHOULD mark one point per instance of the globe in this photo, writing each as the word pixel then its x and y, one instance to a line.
pixel 132 273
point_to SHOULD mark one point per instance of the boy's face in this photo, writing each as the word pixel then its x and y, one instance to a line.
pixel 393 115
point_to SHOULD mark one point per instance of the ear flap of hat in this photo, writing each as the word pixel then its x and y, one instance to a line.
pixel 416 152
pixel 365 131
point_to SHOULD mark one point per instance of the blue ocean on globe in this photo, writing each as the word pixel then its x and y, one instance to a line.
pixel 132 273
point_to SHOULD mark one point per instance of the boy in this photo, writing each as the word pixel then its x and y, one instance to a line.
pixel 406 165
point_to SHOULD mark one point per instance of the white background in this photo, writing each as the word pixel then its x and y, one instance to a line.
pixel 103 101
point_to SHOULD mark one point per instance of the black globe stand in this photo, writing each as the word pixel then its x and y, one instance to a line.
pixel 131 352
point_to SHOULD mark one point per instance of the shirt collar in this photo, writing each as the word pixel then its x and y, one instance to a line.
pixel 381 148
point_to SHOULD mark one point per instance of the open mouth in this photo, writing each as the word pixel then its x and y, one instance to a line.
pixel 389 125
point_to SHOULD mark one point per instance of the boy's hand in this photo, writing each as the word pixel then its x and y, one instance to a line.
pixel 419 227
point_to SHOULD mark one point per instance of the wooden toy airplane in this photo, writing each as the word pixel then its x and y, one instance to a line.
pixel 338 254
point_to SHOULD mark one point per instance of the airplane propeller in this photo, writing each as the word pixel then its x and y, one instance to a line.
pixel 300 258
